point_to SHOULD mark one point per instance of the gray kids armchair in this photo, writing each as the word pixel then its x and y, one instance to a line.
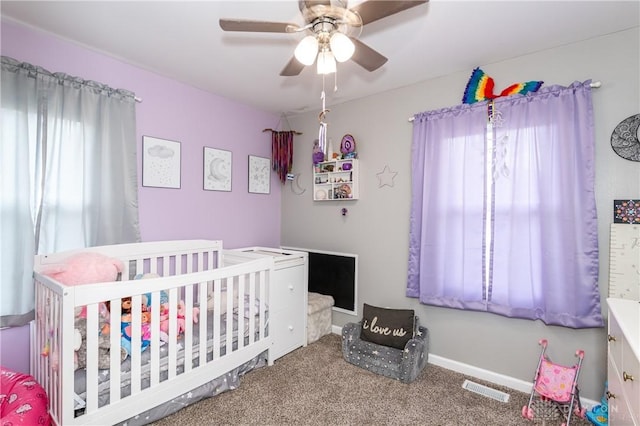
pixel 389 342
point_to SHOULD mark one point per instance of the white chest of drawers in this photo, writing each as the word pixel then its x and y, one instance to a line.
pixel 287 299
pixel 624 362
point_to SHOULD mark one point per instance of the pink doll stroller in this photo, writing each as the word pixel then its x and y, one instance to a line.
pixel 555 390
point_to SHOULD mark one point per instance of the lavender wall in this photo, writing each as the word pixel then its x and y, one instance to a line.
pixel 175 111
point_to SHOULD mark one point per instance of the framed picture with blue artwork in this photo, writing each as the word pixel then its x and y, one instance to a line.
pixel 259 175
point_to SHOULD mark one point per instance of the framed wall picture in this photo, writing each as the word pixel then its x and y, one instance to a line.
pixel 259 175
pixel 217 169
pixel 160 162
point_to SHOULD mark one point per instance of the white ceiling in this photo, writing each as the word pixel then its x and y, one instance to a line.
pixel 183 40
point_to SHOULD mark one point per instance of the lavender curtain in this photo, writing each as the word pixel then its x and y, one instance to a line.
pixel 522 243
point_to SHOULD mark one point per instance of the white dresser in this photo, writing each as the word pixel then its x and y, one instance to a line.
pixel 287 299
pixel 624 362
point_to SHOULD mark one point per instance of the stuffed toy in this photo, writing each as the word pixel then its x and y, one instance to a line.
pixel 104 345
pixel 125 329
pixel 164 318
pixel 85 268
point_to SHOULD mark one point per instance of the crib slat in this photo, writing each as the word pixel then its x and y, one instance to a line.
pixel 241 302
pixel 135 327
pixel 264 285
pixel 252 308
pixel 188 334
pixel 114 365
pixel 173 332
pixel 217 291
pixel 203 322
pixel 231 288
pixel 91 342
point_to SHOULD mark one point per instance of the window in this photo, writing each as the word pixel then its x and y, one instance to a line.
pixel 503 214
pixel 68 177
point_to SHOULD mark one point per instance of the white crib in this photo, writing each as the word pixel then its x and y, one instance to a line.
pixel 199 273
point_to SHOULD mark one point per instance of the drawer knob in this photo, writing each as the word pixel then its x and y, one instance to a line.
pixel 290 328
pixel 291 287
pixel 610 395
pixel 611 338
pixel 626 376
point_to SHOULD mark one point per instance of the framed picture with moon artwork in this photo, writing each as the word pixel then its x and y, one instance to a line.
pixel 259 175
pixel 160 162
pixel 217 169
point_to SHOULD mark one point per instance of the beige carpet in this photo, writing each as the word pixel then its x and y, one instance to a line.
pixel 315 386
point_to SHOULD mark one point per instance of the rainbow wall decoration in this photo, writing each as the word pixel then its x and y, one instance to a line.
pixel 480 88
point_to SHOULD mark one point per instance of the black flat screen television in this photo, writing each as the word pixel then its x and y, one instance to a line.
pixel 334 274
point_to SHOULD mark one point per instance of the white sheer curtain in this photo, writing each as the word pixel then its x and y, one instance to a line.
pixel 69 174
pixel 503 216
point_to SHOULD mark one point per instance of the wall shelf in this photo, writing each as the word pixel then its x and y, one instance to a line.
pixel 336 180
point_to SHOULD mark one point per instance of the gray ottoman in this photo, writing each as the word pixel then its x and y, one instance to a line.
pixel 318 316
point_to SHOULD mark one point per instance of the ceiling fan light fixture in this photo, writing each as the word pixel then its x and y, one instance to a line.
pixel 342 47
pixel 307 50
pixel 326 62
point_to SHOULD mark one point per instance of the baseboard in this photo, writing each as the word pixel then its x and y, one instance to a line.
pixel 482 374
pixel 479 373
pixel 492 377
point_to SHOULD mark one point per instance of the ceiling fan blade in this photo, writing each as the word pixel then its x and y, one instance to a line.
pixel 372 10
pixel 303 4
pixel 257 26
pixel 366 57
pixel 294 67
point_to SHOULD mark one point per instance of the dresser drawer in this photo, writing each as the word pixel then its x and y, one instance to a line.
pixel 616 341
pixel 630 375
pixel 288 289
pixel 289 331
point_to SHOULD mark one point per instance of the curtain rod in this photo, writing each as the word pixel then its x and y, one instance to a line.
pixel 594 85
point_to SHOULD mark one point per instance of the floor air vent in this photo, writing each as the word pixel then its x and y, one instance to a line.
pixel 485 391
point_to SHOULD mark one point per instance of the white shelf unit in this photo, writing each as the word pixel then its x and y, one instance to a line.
pixel 336 180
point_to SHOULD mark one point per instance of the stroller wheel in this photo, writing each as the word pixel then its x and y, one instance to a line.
pixel 527 412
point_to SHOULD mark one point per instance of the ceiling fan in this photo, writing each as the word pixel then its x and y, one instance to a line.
pixel 330 25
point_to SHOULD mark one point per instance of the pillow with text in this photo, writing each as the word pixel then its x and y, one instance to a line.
pixel 388 327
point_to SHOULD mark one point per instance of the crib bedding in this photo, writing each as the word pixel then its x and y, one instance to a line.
pixel 226 382
pixel 80 378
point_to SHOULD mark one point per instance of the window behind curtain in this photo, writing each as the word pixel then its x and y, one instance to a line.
pixel 503 214
pixel 69 174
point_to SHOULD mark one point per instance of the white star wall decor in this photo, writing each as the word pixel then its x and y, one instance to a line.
pixel 385 177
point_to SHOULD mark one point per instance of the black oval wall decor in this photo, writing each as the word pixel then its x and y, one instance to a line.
pixel 624 139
